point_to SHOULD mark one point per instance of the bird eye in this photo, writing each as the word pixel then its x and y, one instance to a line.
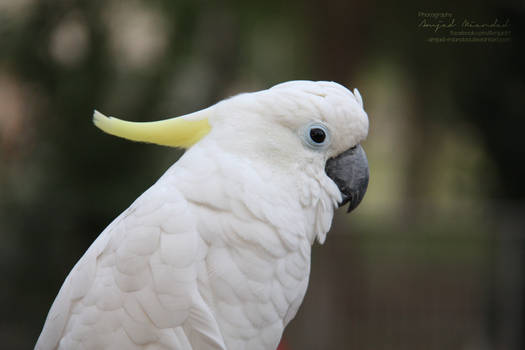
pixel 316 135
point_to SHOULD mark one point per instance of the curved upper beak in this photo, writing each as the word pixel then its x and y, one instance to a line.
pixel 349 171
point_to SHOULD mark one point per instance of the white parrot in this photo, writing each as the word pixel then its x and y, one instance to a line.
pixel 216 254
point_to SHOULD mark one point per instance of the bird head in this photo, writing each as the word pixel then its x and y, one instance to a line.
pixel 313 127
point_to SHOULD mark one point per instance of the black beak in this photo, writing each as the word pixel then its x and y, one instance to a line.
pixel 349 171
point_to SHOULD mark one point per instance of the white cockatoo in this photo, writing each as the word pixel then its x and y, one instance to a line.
pixel 216 254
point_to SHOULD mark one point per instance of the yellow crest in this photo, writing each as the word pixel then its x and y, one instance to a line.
pixel 181 131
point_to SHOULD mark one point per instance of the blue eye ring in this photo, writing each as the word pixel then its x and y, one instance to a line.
pixel 316 135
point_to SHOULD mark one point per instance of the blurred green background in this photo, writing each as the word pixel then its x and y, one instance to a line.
pixel 434 256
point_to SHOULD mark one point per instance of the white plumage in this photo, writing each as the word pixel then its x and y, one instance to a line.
pixel 216 254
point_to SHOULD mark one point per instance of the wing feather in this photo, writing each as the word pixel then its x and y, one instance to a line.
pixel 136 286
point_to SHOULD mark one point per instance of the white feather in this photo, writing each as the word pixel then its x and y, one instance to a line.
pixel 358 97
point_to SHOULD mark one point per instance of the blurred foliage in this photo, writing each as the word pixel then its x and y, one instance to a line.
pixel 434 256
